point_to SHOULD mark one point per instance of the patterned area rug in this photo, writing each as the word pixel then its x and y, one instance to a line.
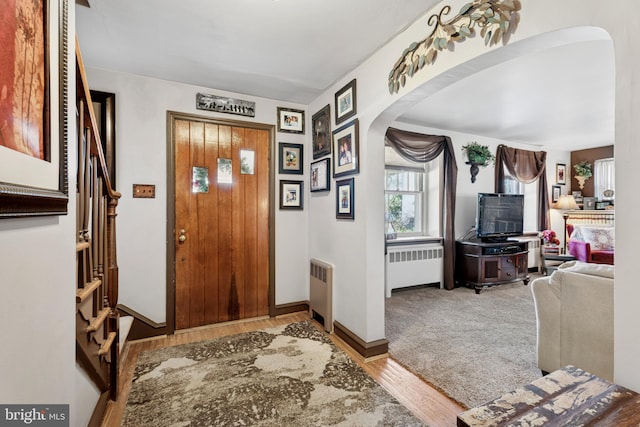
pixel 284 376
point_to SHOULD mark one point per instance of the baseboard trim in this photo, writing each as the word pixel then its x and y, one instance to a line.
pixel 142 326
pixel 292 307
pixel 100 410
pixel 365 349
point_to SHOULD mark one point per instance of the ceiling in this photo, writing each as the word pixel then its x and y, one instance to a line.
pixel 293 50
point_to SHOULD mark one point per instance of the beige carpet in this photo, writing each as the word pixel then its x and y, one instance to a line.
pixel 291 375
pixel 472 347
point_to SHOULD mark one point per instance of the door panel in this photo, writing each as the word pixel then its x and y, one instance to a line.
pixel 222 264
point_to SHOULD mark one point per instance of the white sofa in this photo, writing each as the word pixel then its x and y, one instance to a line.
pixel 574 313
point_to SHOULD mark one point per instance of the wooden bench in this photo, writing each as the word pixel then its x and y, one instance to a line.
pixel 566 397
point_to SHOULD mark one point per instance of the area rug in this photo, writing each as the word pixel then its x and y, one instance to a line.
pixel 284 376
pixel 472 347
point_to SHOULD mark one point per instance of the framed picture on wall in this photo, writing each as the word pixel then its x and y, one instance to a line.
pixel 320 173
pixel 555 192
pixel 291 194
pixel 290 120
pixel 345 150
pixel 33 111
pixel 561 173
pixel 345 199
pixel 321 127
pixel 346 102
pixel 290 159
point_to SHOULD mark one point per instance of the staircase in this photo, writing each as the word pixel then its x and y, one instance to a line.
pixel 97 320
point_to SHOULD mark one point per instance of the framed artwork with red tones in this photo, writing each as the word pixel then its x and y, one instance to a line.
pixel 33 108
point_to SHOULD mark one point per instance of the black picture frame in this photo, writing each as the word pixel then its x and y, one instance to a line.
pixel 320 173
pixel 321 128
pixel 556 191
pixel 290 120
pixel 27 191
pixel 346 150
pixel 291 194
pixel 346 102
pixel 561 173
pixel 291 158
pixel 345 199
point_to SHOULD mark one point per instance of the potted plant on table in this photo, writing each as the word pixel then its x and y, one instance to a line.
pixel 478 155
pixel 583 172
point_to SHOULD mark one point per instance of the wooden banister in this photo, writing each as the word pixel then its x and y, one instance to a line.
pixel 97 319
pixel 96 146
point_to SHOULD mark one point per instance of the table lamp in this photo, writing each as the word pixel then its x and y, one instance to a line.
pixel 565 203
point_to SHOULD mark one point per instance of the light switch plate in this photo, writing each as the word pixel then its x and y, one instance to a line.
pixel 144 191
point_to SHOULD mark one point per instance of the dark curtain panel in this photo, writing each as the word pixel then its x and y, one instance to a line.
pixel 423 148
pixel 526 166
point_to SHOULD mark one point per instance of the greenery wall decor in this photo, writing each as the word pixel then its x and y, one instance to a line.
pixel 583 169
pixel 583 172
pixel 478 155
pixel 495 18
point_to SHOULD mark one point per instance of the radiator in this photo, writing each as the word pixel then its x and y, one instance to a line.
pixel 534 250
pixel 320 293
pixel 413 265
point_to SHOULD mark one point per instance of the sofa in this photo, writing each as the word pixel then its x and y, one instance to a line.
pixel 574 318
pixel 591 243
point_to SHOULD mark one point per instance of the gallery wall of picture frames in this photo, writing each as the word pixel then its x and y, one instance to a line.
pixel 337 149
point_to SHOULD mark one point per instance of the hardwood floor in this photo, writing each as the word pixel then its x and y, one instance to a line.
pixel 429 405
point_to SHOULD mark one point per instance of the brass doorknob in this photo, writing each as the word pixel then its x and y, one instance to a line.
pixel 182 237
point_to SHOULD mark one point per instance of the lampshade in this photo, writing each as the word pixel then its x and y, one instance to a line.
pixel 565 202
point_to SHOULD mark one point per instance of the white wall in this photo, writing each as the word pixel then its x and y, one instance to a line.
pixel 141 149
pixel 37 291
pixel 377 109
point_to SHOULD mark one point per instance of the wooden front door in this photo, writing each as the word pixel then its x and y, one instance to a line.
pixel 221 222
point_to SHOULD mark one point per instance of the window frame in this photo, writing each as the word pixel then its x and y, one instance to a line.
pixel 421 195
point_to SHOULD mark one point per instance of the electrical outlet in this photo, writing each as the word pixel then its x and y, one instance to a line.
pixel 144 191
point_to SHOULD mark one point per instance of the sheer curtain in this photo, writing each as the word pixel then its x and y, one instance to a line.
pixel 525 166
pixel 604 174
pixel 423 148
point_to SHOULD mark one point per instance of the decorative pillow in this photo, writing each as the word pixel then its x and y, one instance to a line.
pixel 600 239
pixel 576 234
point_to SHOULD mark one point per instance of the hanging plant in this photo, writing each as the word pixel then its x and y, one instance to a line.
pixel 583 169
pixel 478 154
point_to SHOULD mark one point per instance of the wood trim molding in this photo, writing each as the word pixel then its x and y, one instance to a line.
pixel 142 326
pixel 100 411
pixel 292 307
pixel 365 349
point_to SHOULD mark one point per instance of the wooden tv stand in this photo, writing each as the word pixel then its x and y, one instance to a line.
pixel 480 264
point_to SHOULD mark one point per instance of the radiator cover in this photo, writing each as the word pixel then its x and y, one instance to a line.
pixel 411 265
pixel 321 293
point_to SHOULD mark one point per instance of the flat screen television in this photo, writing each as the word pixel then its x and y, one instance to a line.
pixel 499 216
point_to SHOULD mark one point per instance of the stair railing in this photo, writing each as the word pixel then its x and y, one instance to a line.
pixel 97 320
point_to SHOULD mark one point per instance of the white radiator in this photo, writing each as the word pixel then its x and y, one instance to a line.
pixel 413 265
pixel 320 293
pixel 534 250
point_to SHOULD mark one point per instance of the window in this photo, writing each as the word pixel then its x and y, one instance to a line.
pixel 512 185
pixel 604 178
pixel 412 193
pixel 404 191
